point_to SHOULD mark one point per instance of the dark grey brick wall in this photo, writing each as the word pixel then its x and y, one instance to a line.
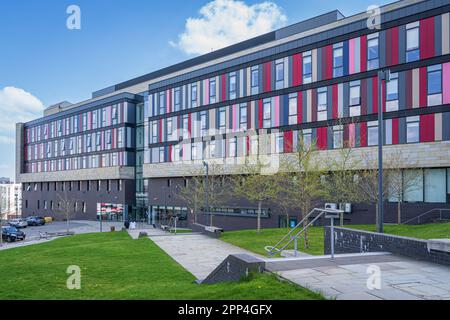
pixel 355 241
pixel 235 268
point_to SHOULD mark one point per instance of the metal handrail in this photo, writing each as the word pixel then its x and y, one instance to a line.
pixel 425 214
pixel 272 249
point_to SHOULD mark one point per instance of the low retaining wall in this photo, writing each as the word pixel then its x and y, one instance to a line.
pixel 208 231
pixel 356 241
pixel 235 268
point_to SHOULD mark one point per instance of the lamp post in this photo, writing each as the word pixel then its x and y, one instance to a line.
pixel 207 191
pixel 383 75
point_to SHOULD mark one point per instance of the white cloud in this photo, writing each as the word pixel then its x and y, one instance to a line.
pixel 16 105
pixel 225 22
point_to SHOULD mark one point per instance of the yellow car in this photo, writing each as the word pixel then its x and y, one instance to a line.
pixel 48 219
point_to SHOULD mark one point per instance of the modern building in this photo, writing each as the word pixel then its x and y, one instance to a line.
pixel 10 200
pixel 135 143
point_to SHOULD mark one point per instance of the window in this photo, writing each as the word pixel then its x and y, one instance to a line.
pixel 435 186
pixel 415 192
pixel 372 133
pixel 203 124
pixel 338 137
pixel 104 117
pixel 194 96
pixel 279 143
pixel 212 149
pixel 98 139
pixel 373 59
pixel 222 118
pixel 169 125
pixel 307 138
pixel 194 151
pixel 293 109
pixel 212 90
pixel 185 126
pixel 162 103
pixel 267 114
pixel 412 42
pixel 338 60
pixel 243 117
pixel 355 99
pixel 177 99
pixel 322 98
pixel 233 148
pixel 413 129
pixel 161 155
pixel 99 185
pixel 177 153
pixel 233 86
pixel 434 85
pixel 154 132
pixel 392 93
pixel 255 79
pixel 307 67
pixel 114 114
pixel 279 74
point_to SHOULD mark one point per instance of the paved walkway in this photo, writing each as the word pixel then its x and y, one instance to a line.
pixel 197 253
pixel 346 279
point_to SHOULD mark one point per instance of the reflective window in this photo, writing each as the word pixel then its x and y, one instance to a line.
pixel 338 60
pixel 279 74
pixel 373 52
pixel 435 186
pixel 267 114
pixel 293 109
pixel 413 129
pixel 412 42
pixel 322 102
pixel 372 133
pixel 307 67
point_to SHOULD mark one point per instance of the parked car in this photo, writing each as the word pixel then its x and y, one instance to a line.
pixel 35 221
pixel 12 234
pixel 18 223
pixel 48 219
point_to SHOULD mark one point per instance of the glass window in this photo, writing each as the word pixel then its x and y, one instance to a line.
pixel 203 123
pixel 307 138
pixel 161 155
pixel 169 128
pixel 415 191
pixel 267 114
pixel 435 186
pixel 222 118
pixel 185 126
pixel 355 99
pixel 372 133
pixel 307 67
pixel 177 99
pixel 373 52
pixel 322 102
pixel 279 143
pixel 233 147
pixel 212 90
pixel 194 96
pixel 243 117
pixel 412 42
pixel 434 85
pixel 255 79
pixel 162 103
pixel 233 86
pixel 155 132
pixel 279 74
pixel 392 93
pixel 413 129
pixel 212 149
pixel 448 181
pixel 338 60
pixel 293 110
pixel 338 137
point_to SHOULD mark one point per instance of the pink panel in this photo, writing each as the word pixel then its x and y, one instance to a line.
pixel 446 81
pixel 234 120
pixel 352 55
pixel 206 101
pixel 352 135
pixel 168 94
pixel 277 111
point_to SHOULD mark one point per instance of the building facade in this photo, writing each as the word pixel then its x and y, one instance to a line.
pixel 10 200
pixel 317 80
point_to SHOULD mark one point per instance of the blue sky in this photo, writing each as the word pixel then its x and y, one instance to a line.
pixel 118 40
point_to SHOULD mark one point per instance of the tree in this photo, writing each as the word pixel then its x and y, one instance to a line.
pixel 64 207
pixel 399 179
pixel 254 185
pixel 301 177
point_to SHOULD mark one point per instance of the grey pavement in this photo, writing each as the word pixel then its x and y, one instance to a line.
pixel 197 253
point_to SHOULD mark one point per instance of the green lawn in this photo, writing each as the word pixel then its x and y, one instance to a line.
pixel 115 267
pixel 251 240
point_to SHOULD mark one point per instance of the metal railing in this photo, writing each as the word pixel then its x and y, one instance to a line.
pixel 422 218
pixel 303 225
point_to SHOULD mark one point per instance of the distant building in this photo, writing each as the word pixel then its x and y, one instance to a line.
pixel 4 180
pixel 10 200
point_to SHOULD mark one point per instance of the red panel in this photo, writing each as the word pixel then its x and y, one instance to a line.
pixel 190 124
pixel 160 130
pixel 249 115
pixel 427 38
pixel 363 53
pixel 363 97
pixel 297 70
pixel 224 87
pixel 300 107
pixel 260 114
pixel 248 145
pixel 314 105
pixel 335 101
pixel 363 134
pixel 427 128
pixel 288 142
pixel 322 138
pixel 170 153
pixel 329 62
pixel 394 46
pixel 375 94
pixel 423 97
pixel 395 131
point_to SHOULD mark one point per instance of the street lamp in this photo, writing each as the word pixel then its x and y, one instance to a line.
pixel 207 191
pixel 383 75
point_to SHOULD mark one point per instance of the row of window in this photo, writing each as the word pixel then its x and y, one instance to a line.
pixel 92 120
pixel 91 142
pixel 97 185
pixel 104 160
pixel 343 60
pixel 77 206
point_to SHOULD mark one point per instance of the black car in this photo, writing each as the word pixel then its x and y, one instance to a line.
pixel 35 221
pixel 11 234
